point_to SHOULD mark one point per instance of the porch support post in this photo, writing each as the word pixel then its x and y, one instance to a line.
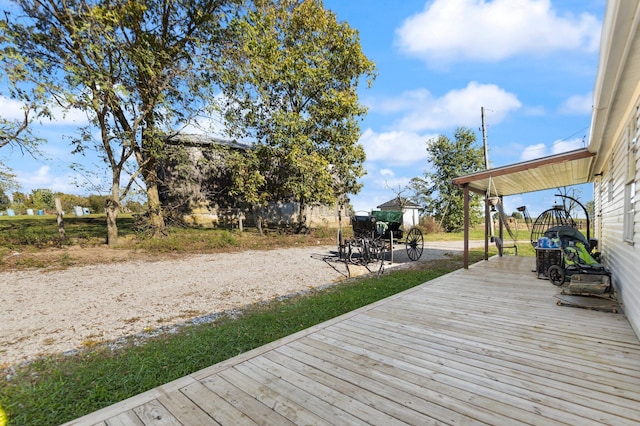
pixel 487 224
pixel 465 196
pixel 501 222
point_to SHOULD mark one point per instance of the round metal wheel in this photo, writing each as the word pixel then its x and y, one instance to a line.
pixel 415 244
pixel 556 275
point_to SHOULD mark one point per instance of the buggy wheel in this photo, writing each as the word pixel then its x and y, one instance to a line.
pixel 381 256
pixel 415 244
pixel 556 275
pixel 376 256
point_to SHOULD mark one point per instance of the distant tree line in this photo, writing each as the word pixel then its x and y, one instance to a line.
pixel 44 199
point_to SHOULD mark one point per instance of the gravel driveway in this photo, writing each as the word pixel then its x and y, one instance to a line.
pixel 59 311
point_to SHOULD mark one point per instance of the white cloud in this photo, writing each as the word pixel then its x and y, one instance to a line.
pixel 393 185
pixel 68 117
pixel 566 146
pixel 44 177
pixel 449 31
pixel 533 151
pixel 460 107
pixel 577 105
pixel 11 109
pixel 534 111
pixel 394 148
pixel 540 150
pixel 387 172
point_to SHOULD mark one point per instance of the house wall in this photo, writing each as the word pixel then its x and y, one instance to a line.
pixel 410 218
pixel 622 257
pixel 287 214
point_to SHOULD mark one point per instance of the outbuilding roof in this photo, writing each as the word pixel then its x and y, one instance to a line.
pixel 398 203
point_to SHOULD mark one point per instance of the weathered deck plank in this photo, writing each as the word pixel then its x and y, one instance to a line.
pixel 486 345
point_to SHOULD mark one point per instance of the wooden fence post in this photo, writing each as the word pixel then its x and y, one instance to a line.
pixel 59 219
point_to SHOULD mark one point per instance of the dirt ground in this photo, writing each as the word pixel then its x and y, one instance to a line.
pixel 117 293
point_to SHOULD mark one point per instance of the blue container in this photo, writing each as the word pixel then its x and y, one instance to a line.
pixel 40 212
pixel 543 242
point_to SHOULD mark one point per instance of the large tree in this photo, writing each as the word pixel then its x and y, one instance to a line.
pixel 140 69
pixel 291 78
pixel 449 159
pixel 28 102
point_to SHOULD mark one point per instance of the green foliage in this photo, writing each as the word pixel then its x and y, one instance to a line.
pixel 435 192
pixel 96 203
pixel 292 74
pixel 68 201
pixel 42 199
pixel 590 206
pixel 8 181
pixel 138 69
pixel 22 88
pixel 5 201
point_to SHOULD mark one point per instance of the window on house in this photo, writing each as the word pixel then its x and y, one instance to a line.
pixel 610 191
pixel 630 185
pixel 629 212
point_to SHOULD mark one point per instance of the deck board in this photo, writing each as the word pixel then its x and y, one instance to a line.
pixel 488 345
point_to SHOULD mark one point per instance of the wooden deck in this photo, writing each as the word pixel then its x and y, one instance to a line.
pixel 484 345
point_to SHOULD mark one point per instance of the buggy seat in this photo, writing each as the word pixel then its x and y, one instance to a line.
pixel 390 222
pixel 363 226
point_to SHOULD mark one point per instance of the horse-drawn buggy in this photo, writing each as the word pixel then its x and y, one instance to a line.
pixel 373 240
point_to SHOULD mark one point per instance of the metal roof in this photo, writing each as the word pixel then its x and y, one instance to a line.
pixel 398 202
pixel 569 168
pixel 202 140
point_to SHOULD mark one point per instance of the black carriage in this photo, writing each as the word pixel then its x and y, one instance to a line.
pixel 374 236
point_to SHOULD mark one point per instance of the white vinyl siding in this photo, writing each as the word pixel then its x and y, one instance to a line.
pixel 631 142
pixel 596 221
pixel 621 219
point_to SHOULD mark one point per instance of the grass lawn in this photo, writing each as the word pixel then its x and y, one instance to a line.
pixel 57 389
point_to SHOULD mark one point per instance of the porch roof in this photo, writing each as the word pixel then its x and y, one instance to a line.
pixel 569 168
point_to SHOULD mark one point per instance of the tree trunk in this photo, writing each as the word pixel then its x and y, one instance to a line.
pixel 112 207
pixel 257 218
pixel 302 218
pixel 60 220
pixel 156 216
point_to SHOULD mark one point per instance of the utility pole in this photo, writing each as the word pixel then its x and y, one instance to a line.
pixel 484 140
pixel 488 220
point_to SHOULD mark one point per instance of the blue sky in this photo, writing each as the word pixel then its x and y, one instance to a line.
pixel 530 63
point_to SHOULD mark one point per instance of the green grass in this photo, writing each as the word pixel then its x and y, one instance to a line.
pixel 60 388
pixel 42 231
pixel 474 234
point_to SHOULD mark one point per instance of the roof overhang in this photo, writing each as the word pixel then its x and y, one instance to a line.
pixel 566 169
pixel 617 83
